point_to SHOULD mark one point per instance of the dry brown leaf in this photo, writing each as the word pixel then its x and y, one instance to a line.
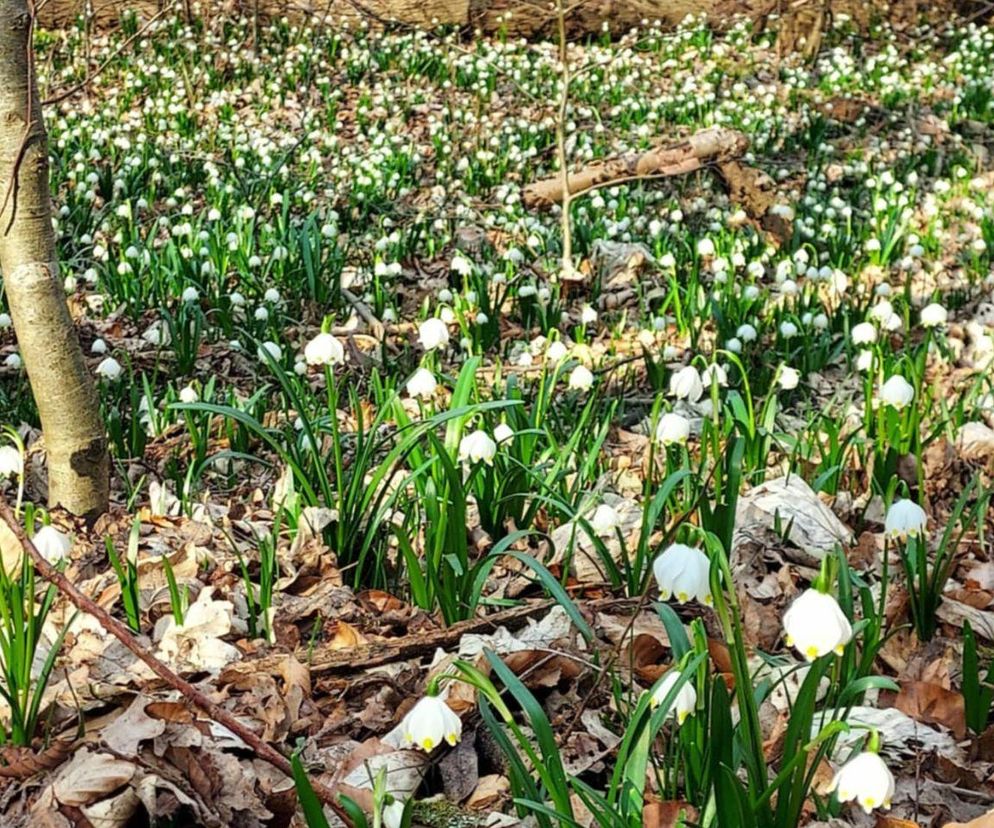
pixel 933 704
pixel 343 636
pixel 667 814
pixel 91 776
pixel 887 821
pixel 983 821
pixel 490 790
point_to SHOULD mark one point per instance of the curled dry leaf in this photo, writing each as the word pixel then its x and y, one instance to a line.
pixel 90 776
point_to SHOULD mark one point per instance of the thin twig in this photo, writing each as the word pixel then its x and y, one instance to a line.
pixel 190 694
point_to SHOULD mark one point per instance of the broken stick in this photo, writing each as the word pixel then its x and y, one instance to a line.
pixel 710 146
pixel 188 692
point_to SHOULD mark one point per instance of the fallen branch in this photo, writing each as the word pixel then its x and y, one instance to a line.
pixel 188 692
pixel 409 646
pixel 710 146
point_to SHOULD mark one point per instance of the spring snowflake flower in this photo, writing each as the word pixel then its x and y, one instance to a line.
pixel 605 520
pixel 714 373
pixel 685 701
pixel 686 384
pixel 191 294
pixel 429 723
pixel 188 394
pixel 580 378
pixel 863 334
pixel 816 625
pixel 477 447
pixel 705 247
pixel 99 347
pixel 52 544
pixel 746 332
pixel 324 349
pixel 684 572
pixel 557 352
pixel 934 315
pixel 672 429
pixel 11 462
pixel 422 384
pixel 393 814
pixel 588 315
pixel 271 348
pixel 13 361
pixel 864 360
pixel 432 334
pixel 788 330
pixel 897 392
pixel 503 433
pixel 788 378
pixel 110 369
pixel 867 779
pixel 905 519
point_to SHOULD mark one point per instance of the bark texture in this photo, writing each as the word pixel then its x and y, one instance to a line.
pixel 76 445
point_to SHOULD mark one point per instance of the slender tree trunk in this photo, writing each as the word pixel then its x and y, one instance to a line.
pixel 78 465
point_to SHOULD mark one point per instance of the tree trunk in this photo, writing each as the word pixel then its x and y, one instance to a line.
pixel 78 465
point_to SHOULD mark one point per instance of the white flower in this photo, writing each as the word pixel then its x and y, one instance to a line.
pixel 746 332
pixel 897 391
pixel 13 361
pixel 557 352
pixel 905 519
pixel 191 294
pixel 864 360
pixel 714 373
pixel 503 433
pixel 422 384
pixel 429 723
pixel 157 334
pixel 788 329
pixel 5 320
pixel 684 572
pixel 588 315
pixel 863 334
pixel 605 520
pixel 580 378
pixel 271 348
pixel 934 315
pixel 866 779
pixel 52 544
pixel 816 625
pixel 98 347
pixel 271 295
pixel 433 334
pixel 324 349
pixel 196 645
pixel 11 462
pixel 686 384
pixel 788 378
pixel 705 247
pixel 685 701
pixel 477 447
pixel 188 394
pixel 393 814
pixel 672 429
pixel 109 368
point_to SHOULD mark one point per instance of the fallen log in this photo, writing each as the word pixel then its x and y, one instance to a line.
pixel 708 147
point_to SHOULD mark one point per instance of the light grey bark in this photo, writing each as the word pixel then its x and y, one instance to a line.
pixel 75 441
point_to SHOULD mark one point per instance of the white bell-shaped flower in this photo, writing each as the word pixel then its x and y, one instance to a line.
pixel 432 334
pixel 788 378
pixel 271 348
pixel 477 447
pixel 686 384
pixel 422 384
pixel 605 519
pixel 580 378
pixel 686 697
pixel 11 462
pixel 557 352
pixel 905 519
pixel 502 433
pixel 52 544
pixel 815 625
pixel 897 392
pixel 324 349
pixel 934 315
pixel 672 429
pixel 863 334
pixel 393 814
pixel 867 779
pixel 684 572
pixel 429 723
pixel 109 368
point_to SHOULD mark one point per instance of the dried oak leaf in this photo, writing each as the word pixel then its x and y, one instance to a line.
pixel 933 704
